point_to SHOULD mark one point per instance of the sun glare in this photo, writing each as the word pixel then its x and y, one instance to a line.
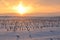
pixel 21 9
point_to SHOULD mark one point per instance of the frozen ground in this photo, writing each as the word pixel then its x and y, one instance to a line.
pixel 13 28
pixel 43 34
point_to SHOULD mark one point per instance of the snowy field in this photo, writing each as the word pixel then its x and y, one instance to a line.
pixel 39 28
pixel 35 35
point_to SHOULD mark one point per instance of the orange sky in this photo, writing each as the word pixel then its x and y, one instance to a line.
pixel 40 7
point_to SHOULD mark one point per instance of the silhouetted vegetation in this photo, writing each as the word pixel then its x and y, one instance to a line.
pixel 15 24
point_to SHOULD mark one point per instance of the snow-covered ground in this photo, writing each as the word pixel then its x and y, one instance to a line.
pixel 43 34
pixel 35 30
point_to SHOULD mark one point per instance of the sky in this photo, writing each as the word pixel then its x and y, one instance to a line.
pixel 40 7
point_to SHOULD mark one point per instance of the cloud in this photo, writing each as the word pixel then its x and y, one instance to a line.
pixel 31 2
pixel 38 5
pixel 50 2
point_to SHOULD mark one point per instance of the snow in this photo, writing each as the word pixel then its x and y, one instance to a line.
pixel 32 31
pixel 31 35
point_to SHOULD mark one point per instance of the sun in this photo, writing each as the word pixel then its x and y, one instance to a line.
pixel 21 9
